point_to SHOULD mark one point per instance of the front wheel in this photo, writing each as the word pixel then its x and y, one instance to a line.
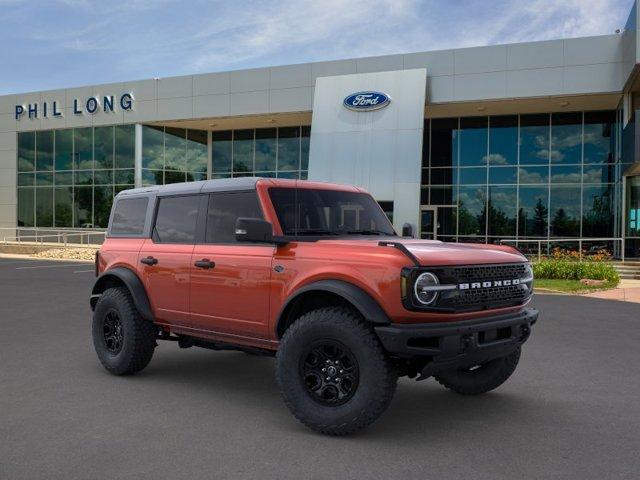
pixel 332 372
pixel 123 340
pixel 480 378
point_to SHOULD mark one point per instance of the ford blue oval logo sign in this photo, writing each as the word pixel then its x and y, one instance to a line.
pixel 365 101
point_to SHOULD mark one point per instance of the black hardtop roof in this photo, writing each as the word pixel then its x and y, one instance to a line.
pixel 204 186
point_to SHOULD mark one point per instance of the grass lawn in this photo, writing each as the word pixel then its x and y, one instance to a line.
pixel 569 286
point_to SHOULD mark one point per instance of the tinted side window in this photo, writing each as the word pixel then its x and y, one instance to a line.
pixel 224 210
pixel 176 219
pixel 128 216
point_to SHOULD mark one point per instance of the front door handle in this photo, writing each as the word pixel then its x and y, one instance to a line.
pixel 149 261
pixel 205 263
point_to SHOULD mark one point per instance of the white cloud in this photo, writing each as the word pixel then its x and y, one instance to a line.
pixel 494 159
pixel 329 29
pixel 531 175
pixel 147 38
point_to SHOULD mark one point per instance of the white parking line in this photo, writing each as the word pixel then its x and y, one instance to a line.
pixel 84 271
pixel 48 266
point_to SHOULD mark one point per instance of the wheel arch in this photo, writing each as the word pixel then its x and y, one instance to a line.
pixel 123 277
pixel 329 293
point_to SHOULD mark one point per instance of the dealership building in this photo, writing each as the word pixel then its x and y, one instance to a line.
pixel 533 143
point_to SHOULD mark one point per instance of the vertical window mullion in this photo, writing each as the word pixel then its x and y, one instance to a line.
pixel 277 150
pixel 429 168
pixel 113 163
pixel 233 153
pixel 53 180
pixel 549 177
pixel 209 154
pixel 486 208
pixel 93 175
pixel 581 175
pixel 457 185
pixel 73 178
pixel 186 147
pixel 35 175
pixel 518 181
pixel 300 150
pixel 164 156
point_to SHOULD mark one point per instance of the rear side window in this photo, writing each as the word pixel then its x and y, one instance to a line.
pixel 176 219
pixel 224 210
pixel 129 216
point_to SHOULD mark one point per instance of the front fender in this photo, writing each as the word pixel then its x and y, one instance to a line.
pixel 123 275
pixel 361 300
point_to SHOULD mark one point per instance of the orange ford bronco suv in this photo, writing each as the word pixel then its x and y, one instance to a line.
pixel 314 274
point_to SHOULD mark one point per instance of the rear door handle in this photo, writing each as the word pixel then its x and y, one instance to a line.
pixel 205 263
pixel 149 261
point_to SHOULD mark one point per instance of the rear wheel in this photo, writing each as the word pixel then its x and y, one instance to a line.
pixel 123 340
pixel 334 376
pixel 480 378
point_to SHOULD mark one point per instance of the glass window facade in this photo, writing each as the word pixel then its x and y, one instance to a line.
pixel 265 152
pixel 526 177
pixel 172 155
pixel 67 178
pixel 536 176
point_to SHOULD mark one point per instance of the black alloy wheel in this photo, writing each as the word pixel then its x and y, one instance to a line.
pixel 113 332
pixel 123 340
pixel 329 372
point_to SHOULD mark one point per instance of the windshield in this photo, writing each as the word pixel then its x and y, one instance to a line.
pixel 328 212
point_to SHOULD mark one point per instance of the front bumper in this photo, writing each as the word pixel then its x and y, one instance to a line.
pixel 449 346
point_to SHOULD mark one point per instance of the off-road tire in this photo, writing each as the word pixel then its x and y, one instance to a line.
pixel 377 376
pixel 138 335
pixel 485 378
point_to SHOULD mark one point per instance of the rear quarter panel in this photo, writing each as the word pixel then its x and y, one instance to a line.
pixel 120 252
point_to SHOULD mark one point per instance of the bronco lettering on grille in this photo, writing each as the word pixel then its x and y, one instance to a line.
pixel 493 283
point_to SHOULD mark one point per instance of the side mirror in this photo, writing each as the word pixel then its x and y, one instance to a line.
pixel 254 230
pixel 407 230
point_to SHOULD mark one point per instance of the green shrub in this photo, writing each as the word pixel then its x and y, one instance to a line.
pixel 571 270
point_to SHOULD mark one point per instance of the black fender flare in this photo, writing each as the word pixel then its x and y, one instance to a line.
pixel 133 284
pixel 370 310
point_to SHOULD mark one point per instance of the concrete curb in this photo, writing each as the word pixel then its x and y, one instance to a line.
pixel 38 259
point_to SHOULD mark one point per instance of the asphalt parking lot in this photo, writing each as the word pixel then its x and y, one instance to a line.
pixel 572 409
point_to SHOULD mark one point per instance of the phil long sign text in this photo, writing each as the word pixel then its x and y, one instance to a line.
pixel 106 103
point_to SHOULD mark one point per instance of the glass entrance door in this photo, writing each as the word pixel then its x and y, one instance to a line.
pixel 428 222
pixel 632 217
pixel 438 222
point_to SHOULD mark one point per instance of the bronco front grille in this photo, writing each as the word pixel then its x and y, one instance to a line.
pixel 486 272
pixel 478 287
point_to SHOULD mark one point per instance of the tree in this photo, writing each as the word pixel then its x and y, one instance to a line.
pixel 467 223
pixel 540 221
pixel 564 226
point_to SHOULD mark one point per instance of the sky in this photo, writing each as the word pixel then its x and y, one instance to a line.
pixel 50 44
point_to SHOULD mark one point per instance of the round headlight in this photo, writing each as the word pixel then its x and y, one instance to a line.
pixel 528 275
pixel 422 288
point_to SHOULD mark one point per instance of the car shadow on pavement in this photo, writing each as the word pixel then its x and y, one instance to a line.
pixel 418 409
pixel 426 409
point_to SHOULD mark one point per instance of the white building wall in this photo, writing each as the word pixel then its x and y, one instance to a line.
pixel 378 150
pixel 8 175
pixel 588 65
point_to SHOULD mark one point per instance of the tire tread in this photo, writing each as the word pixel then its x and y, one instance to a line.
pixel 344 318
pixel 143 333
